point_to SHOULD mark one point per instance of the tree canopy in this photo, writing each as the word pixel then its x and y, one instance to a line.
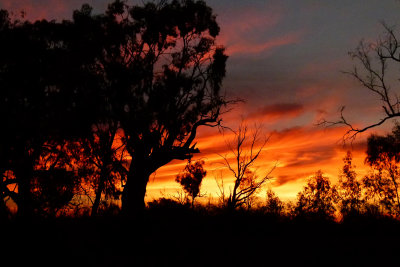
pixel 151 72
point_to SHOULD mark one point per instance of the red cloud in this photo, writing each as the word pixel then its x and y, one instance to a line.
pixel 47 9
pixel 278 111
pixel 245 47
pixel 249 30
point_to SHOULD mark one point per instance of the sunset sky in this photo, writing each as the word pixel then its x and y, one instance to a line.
pixel 286 59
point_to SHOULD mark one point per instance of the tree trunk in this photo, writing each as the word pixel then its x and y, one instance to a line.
pixel 25 198
pixel 99 191
pixel 231 205
pixel 104 176
pixel 135 189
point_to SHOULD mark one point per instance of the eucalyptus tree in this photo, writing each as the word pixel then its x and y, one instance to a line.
pixel 165 76
pixel 317 197
pixel 383 155
pixel 190 179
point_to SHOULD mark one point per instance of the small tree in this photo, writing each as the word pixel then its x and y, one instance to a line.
pixel 379 193
pixel 273 204
pixel 317 197
pixel 191 179
pixel 383 155
pixel 246 149
pixel 349 189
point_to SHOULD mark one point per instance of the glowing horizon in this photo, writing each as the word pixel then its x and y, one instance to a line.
pixel 293 152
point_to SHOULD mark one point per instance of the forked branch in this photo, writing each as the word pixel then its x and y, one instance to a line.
pixel 373 73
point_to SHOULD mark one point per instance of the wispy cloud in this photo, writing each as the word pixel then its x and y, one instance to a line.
pixel 248 47
pixel 250 30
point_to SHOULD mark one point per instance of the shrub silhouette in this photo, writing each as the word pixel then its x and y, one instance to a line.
pixel 191 178
pixel 383 155
pixel 273 205
pixel 317 198
pixel 349 189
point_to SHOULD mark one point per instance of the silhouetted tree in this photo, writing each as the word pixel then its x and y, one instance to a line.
pixel 383 155
pixel 191 178
pixel 379 195
pixel 273 204
pixel 167 76
pixel 162 77
pixel 99 43
pixel 349 189
pixel 246 148
pixel 317 198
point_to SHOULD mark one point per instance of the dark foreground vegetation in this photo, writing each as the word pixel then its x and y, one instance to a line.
pixel 94 105
pixel 176 235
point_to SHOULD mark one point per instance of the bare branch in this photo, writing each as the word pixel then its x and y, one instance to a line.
pixel 373 59
pixel 246 149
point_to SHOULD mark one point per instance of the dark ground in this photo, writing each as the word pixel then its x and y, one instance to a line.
pixel 170 238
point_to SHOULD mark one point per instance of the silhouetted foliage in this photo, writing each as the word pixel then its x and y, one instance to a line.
pixel 349 189
pixel 41 104
pixel 273 205
pixel 53 189
pixel 382 184
pixel 317 198
pixel 191 178
pixel 103 166
pixel 380 193
pixel 152 73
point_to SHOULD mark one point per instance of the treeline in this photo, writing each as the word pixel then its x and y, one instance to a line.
pixel 374 195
